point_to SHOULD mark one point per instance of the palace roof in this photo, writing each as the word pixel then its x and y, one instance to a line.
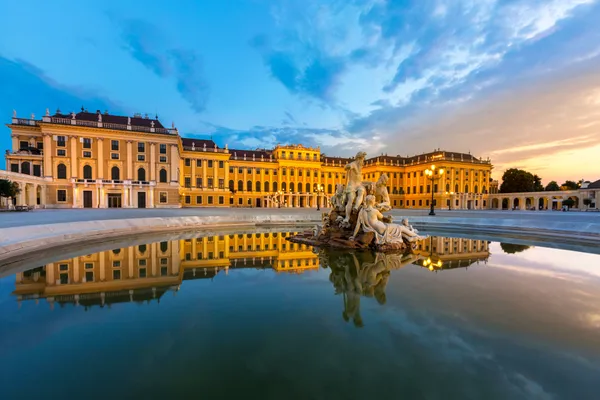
pixel 136 120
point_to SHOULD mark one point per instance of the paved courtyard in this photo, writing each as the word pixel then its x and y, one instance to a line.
pixel 40 217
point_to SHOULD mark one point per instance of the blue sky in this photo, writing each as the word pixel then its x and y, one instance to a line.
pixel 513 80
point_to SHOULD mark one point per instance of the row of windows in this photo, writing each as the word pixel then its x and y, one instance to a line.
pixel 414 174
pixel 115 173
pixel 114 144
pixel 240 248
pixel 299 156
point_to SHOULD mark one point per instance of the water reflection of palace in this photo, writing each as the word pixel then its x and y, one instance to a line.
pixel 146 272
pixel 448 253
pixel 366 274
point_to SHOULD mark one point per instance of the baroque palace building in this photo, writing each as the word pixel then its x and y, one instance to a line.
pixel 99 160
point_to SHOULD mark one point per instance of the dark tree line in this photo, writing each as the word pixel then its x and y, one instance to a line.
pixel 517 181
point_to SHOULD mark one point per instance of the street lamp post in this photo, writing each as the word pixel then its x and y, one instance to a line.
pixel 430 175
pixel 319 189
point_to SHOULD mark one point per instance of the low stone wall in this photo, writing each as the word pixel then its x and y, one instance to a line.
pixel 20 241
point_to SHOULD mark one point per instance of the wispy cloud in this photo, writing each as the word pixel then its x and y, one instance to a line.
pixel 148 45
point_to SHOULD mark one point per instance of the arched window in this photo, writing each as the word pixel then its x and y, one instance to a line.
pixel 274 186
pixel 142 248
pixel 141 174
pixel 308 188
pixel 292 187
pixel 231 186
pixel 114 173
pixel 466 188
pixel 447 187
pixel 476 189
pixel 26 168
pixel 329 187
pixel 87 172
pixel 266 186
pixel 257 185
pixel 164 246
pixel 61 171
pixel 162 176
pixel 283 186
pixel 456 188
pixel 240 186
pixel 249 186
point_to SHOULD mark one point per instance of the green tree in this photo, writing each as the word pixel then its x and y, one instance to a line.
pixel 8 188
pixel 569 185
pixel 568 202
pixel 517 180
pixel 510 248
pixel 552 186
pixel 537 184
pixel 587 202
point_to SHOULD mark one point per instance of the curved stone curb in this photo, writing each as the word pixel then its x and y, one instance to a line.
pixel 20 241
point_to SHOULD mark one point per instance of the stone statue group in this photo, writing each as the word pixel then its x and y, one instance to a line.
pixel 369 200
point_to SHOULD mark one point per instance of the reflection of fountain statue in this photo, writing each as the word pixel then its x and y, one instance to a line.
pixel 361 274
pixel 354 187
pixel 371 220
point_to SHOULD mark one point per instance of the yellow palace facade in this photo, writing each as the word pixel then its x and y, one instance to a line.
pixel 99 160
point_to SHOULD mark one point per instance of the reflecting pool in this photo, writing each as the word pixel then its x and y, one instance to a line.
pixel 254 316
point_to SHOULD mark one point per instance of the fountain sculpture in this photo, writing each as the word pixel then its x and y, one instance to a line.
pixel 356 220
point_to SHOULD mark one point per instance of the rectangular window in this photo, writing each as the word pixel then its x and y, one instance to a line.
pixel 142 272
pixel 231 201
pixel 210 163
pixel 61 141
pixel 231 170
pixel 87 143
pixel 188 162
pixel 61 152
pixel 114 145
pixel 221 200
pixel 37 170
pixel 61 195
pixel 188 199
pixel 198 163
pixel 89 276
pixel 198 199
pixel 141 147
pixel 162 149
pixel 240 201
pixel 413 203
pixel 23 145
pixel 210 183
pixel 188 256
pixel 114 156
pixel 141 157
pixel 420 202
pixel 87 154
pixel 240 171
pixel 88 265
pixel 116 264
pixel 164 271
pixel 210 199
pixel 221 183
pixel 221 164
pixel 162 197
pixel 116 274
pixel 210 255
pixel 163 159
pixel 14 168
pixel 199 256
pixel 188 182
pixel 198 182
pixel 63 267
pixel 249 170
pixel 40 146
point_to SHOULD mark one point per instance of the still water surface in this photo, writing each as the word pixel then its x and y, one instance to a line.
pixel 253 316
